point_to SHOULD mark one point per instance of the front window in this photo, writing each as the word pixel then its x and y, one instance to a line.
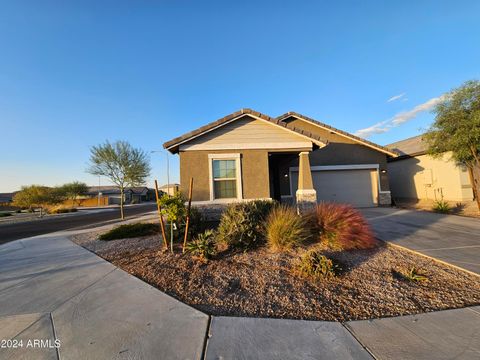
pixel 224 179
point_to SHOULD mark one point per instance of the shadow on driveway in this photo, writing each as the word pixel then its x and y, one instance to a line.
pixel 450 238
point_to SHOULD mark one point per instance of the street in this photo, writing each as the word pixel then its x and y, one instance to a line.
pixel 9 232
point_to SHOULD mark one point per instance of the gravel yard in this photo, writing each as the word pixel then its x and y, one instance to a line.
pixel 259 283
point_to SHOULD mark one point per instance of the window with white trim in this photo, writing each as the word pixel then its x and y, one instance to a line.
pixel 225 176
pixel 224 179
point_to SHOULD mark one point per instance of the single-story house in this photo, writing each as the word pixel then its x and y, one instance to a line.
pixel 416 175
pixel 292 158
pixel 170 189
pixel 132 195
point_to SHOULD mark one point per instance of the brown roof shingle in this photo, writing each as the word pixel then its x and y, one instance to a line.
pixel 381 148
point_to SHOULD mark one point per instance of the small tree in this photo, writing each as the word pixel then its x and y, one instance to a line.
pixel 457 129
pixel 122 164
pixel 72 191
pixel 36 196
pixel 173 208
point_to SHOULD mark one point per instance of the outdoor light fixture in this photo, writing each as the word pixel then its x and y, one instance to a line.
pixel 286 175
pixel 384 171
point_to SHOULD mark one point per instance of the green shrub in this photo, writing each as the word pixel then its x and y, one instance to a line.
pixel 441 206
pixel 130 231
pixel 341 227
pixel 413 275
pixel 284 228
pixel 242 224
pixel 173 207
pixel 314 264
pixel 203 246
pixel 5 214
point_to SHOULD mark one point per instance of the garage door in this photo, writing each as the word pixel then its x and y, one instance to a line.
pixel 356 187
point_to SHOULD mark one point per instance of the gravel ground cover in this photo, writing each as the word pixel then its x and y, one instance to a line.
pixel 260 283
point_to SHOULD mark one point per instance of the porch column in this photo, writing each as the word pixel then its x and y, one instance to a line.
pixel 306 194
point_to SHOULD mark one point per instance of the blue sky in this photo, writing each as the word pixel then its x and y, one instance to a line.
pixel 76 73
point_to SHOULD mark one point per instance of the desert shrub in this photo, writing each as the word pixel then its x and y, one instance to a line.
pixel 342 227
pixel 284 228
pixel 62 210
pixel 242 224
pixel 203 245
pixel 413 275
pixel 130 231
pixel 314 264
pixel 441 206
pixel 5 214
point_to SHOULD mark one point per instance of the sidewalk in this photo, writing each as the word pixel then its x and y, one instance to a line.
pixel 53 289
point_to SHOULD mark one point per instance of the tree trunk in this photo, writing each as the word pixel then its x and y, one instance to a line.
pixel 474 173
pixel 121 204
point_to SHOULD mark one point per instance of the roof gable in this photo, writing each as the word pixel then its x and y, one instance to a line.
pixel 174 144
pixel 411 146
pixel 338 132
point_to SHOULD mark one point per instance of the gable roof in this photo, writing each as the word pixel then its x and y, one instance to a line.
pixel 345 134
pixel 174 144
pixel 410 147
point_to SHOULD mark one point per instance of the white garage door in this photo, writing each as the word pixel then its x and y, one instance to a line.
pixel 356 187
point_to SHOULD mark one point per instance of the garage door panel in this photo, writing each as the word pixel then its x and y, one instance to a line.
pixel 356 187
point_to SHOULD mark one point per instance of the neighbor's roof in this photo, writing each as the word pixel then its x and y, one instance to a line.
pixel 360 140
pixel 174 144
pixel 410 147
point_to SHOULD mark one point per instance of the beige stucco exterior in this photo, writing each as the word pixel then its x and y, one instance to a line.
pixel 254 170
pixel 425 177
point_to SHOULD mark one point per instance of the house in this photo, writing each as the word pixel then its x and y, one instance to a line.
pixel 132 195
pixel 414 175
pixel 170 189
pixel 292 158
pixel 7 198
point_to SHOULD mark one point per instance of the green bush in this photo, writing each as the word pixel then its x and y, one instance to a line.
pixel 203 246
pixel 5 214
pixel 314 264
pixel 242 224
pixel 130 231
pixel 441 206
pixel 284 228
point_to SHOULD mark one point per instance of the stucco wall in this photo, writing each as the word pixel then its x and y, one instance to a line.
pixel 343 151
pixel 254 165
pixel 424 177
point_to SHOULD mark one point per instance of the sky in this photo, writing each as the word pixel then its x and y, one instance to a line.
pixel 74 74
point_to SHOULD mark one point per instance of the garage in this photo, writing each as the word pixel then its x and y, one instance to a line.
pixel 358 187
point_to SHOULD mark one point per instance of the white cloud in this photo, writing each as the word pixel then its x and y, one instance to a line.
pixel 396 97
pixel 405 116
pixel 399 119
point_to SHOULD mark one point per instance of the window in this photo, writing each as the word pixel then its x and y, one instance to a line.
pixel 225 176
pixel 224 179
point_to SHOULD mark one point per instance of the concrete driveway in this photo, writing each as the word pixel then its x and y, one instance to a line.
pixel 450 238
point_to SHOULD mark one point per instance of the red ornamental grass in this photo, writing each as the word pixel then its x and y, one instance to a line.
pixel 342 227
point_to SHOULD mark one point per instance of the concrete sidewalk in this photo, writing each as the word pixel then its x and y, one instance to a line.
pixel 53 289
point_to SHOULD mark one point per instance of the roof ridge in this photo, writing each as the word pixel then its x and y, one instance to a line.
pixel 341 132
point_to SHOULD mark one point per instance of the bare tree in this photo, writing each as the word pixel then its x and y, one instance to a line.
pixel 122 164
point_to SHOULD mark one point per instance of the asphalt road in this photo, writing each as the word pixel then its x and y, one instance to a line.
pixel 10 232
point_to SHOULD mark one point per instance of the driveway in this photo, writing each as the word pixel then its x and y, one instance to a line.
pixel 450 238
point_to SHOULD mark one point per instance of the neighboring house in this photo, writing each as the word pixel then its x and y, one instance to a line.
pixel 248 155
pixel 6 198
pixel 416 175
pixel 170 189
pixel 132 195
